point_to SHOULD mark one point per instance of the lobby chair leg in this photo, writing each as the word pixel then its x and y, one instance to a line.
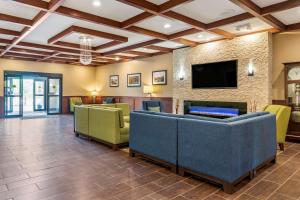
pixel 131 153
pixel 281 146
pixel 228 188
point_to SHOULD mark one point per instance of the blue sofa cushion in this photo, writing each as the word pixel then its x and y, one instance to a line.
pixel 154 135
pixel 246 116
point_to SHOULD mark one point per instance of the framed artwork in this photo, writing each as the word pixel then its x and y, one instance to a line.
pixel 159 77
pixel 134 80
pixel 114 81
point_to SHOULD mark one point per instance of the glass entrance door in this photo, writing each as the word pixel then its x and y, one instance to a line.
pixel 54 95
pixel 39 99
pixel 13 96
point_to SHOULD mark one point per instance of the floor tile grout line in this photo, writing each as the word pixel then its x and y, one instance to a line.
pixel 298 170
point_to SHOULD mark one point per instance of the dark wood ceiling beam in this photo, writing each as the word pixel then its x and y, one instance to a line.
pixel 16 20
pixel 86 31
pixel 37 20
pixel 60 35
pixel 29 51
pixel 256 11
pixel 285 5
pixel 159 48
pixel 67 44
pixel 5 41
pixel 229 20
pixel 147 32
pixel 50 56
pixel 223 33
pixel 293 27
pixel 18 58
pixel 20 55
pixel 172 4
pixel 43 5
pixel 9 32
pixel 87 17
pixel 107 45
pixel 137 53
pixel 143 5
pixel 100 34
pixel 186 42
pixel 47 47
pixel 132 47
pixel 136 19
pixel 183 33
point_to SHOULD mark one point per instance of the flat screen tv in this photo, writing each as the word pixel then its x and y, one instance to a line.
pixel 215 75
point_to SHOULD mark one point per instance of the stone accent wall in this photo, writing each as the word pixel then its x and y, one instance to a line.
pixel 256 47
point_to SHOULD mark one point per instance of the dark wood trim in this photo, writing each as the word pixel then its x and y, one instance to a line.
pixel 172 167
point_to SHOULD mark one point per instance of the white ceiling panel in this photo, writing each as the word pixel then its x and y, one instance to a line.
pixel 111 9
pixel 131 41
pixel 169 44
pixel 33 48
pixel 157 24
pixel 202 37
pixel 57 23
pixel 290 16
pixel 158 2
pixel 264 3
pixel 125 54
pixel 255 24
pixel 11 26
pixel 144 50
pixel 74 38
pixel 208 11
pixel 7 37
pixel 16 9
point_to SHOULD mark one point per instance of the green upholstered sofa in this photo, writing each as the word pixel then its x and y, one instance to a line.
pixel 105 123
pixel 75 101
pixel 282 121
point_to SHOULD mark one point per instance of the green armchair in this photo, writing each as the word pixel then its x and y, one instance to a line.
pixel 73 102
pixel 283 114
pixel 104 123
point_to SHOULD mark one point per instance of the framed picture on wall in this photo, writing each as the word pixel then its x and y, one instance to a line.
pixel 159 77
pixel 134 80
pixel 114 81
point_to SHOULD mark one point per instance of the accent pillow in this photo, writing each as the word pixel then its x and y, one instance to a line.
pixel 154 109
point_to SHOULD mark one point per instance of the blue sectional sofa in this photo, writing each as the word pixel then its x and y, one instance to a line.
pixel 221 150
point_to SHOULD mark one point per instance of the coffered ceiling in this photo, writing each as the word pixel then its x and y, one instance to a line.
pixel 122 30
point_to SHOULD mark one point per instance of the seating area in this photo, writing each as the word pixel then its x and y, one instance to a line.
pixel 107 123
pixel 150 100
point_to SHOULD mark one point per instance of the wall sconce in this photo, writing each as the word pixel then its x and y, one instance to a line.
pixel 181 74
pixel 94 94
pixel 250 68
pixel 148 90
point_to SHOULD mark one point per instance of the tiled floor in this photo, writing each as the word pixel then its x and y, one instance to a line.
pixel 42 159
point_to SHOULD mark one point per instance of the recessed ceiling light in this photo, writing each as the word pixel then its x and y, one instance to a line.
pixel 200 36
pixel 96 3
pixel 167 26
pixel 117 58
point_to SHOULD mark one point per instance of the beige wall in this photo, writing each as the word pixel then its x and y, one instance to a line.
pixel 144 66
pixel 257 47
pixel 77 80
pixel 286 49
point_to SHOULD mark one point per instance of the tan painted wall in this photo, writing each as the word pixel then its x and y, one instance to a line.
pixel 286 49
pixel 77 80
pixel 144 66
pixel 257 47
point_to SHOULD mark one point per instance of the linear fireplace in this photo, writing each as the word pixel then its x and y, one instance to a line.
pixel 215 108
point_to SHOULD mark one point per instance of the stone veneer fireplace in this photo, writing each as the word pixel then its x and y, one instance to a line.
pixel 256 48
